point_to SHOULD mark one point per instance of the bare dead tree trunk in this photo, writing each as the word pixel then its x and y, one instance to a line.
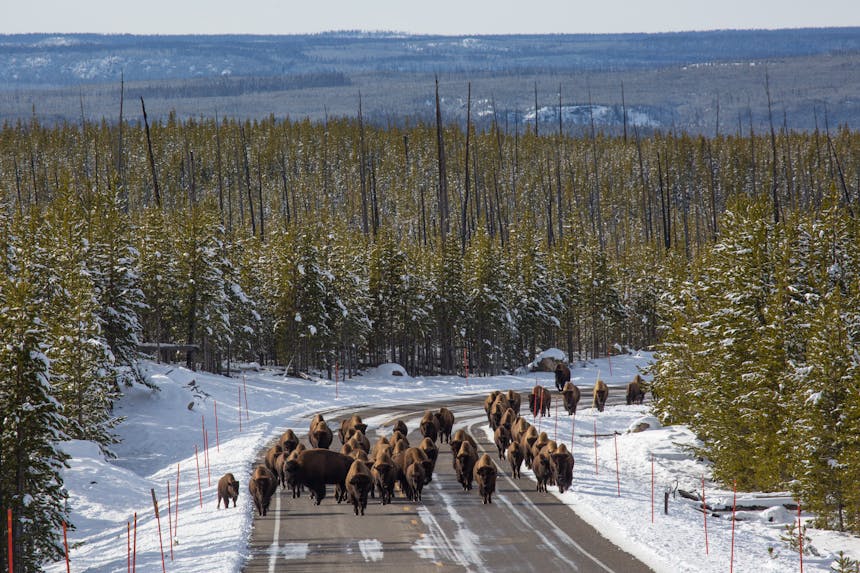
pixel 247 169
pixel 774 188
pixel 155 190
pixel 443 179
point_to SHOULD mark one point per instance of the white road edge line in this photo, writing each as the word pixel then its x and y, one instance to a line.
pixel 273 549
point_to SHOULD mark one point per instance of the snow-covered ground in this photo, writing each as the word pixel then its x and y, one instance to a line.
pixel 163 428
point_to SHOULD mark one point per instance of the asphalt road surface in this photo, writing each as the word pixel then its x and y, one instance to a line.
pixel 449 530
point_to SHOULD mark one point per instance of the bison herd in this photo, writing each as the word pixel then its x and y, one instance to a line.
pixel 361 470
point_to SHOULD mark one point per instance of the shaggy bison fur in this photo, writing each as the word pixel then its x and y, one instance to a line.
pixel 228 488
pixel 502 438
pixel 570 396
pixel 515 458
pixel 539 401
pixel 485 475
pixel 317 467
pixel 288 441
pixel 445 418
pixel 562 461
pixel 562 375
pixel 262 486
pixel 415 478
pixel 320 435
pixel 429 426
pixel 384 475
pixel 359 482
pixel 636 391
pixel 600 393
pixel 464 464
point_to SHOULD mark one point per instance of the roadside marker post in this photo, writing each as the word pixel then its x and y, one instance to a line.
pixel 158 522
pixel 66 547
pixel 11 543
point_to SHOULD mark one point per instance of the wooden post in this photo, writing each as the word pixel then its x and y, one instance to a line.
pixel 66 546
pixel 734 508
pixel 652 488
pixel 158 521
pixel 800 536
pixel 176 521
pixel 245 387
pixel 169 521
pixel 199 487
pixel 11 544
pixel 217 440
pixel 617 469
pixel 705 513
pixel 134 547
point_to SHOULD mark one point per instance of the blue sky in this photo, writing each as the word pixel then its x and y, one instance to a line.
pixel 453 17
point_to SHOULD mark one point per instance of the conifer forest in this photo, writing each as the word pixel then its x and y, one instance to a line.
pixel 316 245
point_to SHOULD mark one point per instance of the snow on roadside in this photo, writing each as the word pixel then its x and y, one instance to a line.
pixel 162 429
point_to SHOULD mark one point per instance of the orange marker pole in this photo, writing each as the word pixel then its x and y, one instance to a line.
pixel 66 546
pixel 11 544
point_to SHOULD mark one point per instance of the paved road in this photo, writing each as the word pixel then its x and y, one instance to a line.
pixel 450 530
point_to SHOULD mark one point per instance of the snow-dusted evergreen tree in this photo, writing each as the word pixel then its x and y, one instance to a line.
pixel 489 323
pixel 826 408
pixel 113 267
pixel 312 321
pixel 82 371
pixel 447 301
pixel 32 419
pixel 350 323
pixel 157 269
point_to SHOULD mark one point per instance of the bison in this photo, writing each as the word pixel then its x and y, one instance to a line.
pixel 457 440
pixel 601 392
pixel 349 426
pixel 429 426
pixel 562 375
pixel 527 440
pixel 415 478
pixel 562 459
pixel 287 480
pixel 320 435
pixel 502 438
pixel 262 486
pixel 542 468
pixel 384 474
pixel 508 418
pixel 489 400
pixel 570 396
pixel 317 467
pixel 515 400
pixel 446 424
pixel 288 441
pixel 271 458
pixel 539 401
pixel 400 426
pixel 432 451
pixel 485 475
pixel 519 428
pixel 464 464
pixel 228 488
pixel 359 482
pixel 636 391
pixel 515 458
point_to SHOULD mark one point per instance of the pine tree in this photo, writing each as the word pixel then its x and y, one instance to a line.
pixel 33 421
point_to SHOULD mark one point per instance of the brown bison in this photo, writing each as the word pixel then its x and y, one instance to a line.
pixel 527 440
pixel 539 401
pixel 562 375
pixel 320 435
pixel 601 392
pixel 502 438
pixel 407 458
pixel 400 426
pixel 514 400
pixel 359 482
pixel 570 396
pixel 489 400
pixel 315 420
pixel 384 475
pixel 382 444
pixel 464 464
pixel 315 468
pixel 271 458
pixel 287 480
pixel 262 486
pixel 542 468
pixel 432 450
pixel 288 441
pixel 228 488
pixel 429 426
pixel 485 474
pixel 515 458
pixel 415 478
pixel 446 424
pixel 636 391
pixel 359 441
pixel 562 461
pixel 457 440
pixel 519 428
pixel 508 418
pixel 398 436
pixel 349 426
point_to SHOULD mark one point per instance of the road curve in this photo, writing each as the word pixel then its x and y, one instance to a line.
pixel 450 530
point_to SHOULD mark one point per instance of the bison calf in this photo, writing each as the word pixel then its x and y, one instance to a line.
pixel 359 482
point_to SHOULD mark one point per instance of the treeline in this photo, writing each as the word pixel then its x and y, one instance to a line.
pixel 310 245
pixel 236 86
